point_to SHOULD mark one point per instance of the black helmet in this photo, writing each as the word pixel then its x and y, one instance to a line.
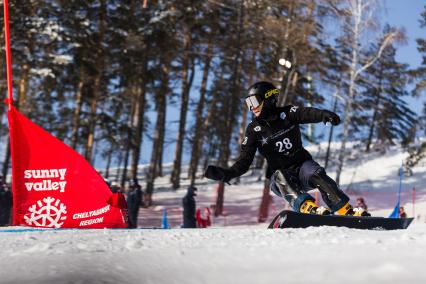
pixel 192 191
pixel 134 184
pixel 262 92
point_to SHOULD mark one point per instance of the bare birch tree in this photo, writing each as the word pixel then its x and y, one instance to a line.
pixel 358 17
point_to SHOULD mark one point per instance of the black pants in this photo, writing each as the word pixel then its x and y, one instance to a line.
pixel 294 184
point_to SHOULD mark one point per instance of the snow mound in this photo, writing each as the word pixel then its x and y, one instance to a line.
pixel 312 255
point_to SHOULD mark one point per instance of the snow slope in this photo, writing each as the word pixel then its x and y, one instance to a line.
pixel 247 255
pixel 373 176
pixel 237 249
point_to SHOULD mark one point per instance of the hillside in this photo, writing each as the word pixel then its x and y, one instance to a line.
pixel 373 176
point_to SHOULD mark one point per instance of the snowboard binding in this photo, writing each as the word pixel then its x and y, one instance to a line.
pixel 309 207
pixel 348 210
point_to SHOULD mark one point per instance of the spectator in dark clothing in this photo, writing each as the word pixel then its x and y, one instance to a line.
pixel 134 199
pixel 2 183
pixel 189 207
pixel 5 203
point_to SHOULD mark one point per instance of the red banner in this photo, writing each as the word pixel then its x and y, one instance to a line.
pixel 55 187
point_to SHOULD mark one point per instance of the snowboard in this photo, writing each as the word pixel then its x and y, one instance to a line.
pixel 291 219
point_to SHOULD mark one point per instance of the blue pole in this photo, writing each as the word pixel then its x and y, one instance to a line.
pixel 395 212
pixel 164 221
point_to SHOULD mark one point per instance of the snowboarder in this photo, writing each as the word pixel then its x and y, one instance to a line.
pixel 189 206
pixel 275 132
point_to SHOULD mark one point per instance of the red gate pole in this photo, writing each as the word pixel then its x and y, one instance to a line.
pixel 8 54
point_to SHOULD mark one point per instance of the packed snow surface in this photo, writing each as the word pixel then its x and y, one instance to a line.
pixel 238 255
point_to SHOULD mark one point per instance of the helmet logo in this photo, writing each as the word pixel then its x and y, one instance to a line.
pixel 271 93
pixel 257 128
pixel 282 115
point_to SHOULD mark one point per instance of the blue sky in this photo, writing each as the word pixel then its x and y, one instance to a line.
pixel 398 13
pixel 406 14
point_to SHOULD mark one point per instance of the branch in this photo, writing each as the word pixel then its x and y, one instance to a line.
pixel 223 5
pixel 338 11
pixel 388 39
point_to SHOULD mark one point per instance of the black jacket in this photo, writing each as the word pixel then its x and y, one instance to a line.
pixel 189 208
pixel 277 138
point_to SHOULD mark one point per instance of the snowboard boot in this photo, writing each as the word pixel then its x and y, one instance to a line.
pixel 332 195
pixel 348 210
pixel 309 207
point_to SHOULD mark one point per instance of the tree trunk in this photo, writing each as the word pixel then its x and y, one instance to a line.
pixel 123 156
pixel 230 111
pixel 244 114
pixel 141 105
pixel 22 88
pixel 129 144
pixel 162 132
pixel 160 159
pixel 100 59
pixel 351 96
pixel 210 153
pixel 158 134
pixel 345 135
pixel 118 171
pixel 330 135
pixel 77 111
pixel 376 109
pixel 206 125
pixel 175 176
pixel 199 130
pixel 108 164
pixel 138 139
pixel 373 124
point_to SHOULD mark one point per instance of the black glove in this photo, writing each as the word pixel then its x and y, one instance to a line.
pixel 329 116
pixel 217 173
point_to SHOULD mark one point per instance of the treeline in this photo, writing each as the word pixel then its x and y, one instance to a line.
pixel 90 71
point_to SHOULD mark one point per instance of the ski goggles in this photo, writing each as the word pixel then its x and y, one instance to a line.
pixel 253 102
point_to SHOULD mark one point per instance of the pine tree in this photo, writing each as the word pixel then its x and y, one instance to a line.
pixel 419 74
pixel 385 88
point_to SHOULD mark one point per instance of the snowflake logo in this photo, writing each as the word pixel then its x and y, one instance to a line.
pixel 47 213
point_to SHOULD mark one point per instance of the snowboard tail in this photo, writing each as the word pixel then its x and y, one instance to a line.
pixel 291 219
